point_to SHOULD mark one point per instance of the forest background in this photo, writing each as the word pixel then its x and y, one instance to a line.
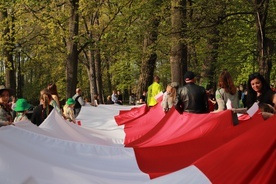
pixel 102 45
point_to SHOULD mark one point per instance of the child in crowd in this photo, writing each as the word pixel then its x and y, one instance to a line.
pixel 68 110
pixel 95 101
pixel 109 101
pixel 132 99
pixel 21 108
pixel 169 97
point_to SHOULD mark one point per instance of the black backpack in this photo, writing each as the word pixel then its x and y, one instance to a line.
pixel 77 104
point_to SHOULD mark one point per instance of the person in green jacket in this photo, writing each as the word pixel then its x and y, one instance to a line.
pixel 153 90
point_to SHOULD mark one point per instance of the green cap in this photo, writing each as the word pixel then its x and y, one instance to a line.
pixel 70 101
pixel 21 105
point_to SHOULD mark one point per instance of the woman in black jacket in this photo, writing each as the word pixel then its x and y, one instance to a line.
pixel 41 112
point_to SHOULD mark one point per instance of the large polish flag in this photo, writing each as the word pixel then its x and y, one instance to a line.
pixel 134 144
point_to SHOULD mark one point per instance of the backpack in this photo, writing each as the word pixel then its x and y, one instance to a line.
pixel 77 104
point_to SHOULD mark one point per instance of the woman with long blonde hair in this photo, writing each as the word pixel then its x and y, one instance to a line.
pixel 169 97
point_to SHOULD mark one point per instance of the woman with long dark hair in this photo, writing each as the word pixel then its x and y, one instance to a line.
pixel 258 90
pixel 42 111
pixel 55 102
pixel 5 109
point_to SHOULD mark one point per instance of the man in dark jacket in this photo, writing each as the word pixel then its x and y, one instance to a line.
pixel 191 97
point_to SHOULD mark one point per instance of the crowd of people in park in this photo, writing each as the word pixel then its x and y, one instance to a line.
pixel 190 98
pixel 117 98
pixel 193 98
pixel 12 110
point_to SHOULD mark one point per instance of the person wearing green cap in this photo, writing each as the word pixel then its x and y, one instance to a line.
pixel 21 108
pixel 68 110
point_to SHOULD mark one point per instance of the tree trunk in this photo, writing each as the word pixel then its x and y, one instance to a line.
pixel 149 60
pixel 8 49
pixel 72 49
pixel 91 73
pixel 209 64
pixel 263 45
pixel 98 67
pixel 109 83
pixel 178 55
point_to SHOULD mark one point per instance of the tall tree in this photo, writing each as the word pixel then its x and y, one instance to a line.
pixel 211 20
pixel 98 20
pixel 149 56
pixel 264 44
pixel 7 20
pixel 178 56
pixel 72 49
pixel 89 21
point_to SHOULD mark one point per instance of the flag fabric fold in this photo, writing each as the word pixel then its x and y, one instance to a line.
pixel 174 151
pixel 29 157
pixel 248 158
pixel 126 116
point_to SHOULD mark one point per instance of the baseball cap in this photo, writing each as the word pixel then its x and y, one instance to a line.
pixel 189 75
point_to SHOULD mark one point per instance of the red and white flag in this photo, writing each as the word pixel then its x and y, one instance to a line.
pixel 133 144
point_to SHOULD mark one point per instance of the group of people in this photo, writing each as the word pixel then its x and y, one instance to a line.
pixel 188 98
pixel 193 98
pixel 258 91
pixel 48 100
pixel 133 100
pixel 116 97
